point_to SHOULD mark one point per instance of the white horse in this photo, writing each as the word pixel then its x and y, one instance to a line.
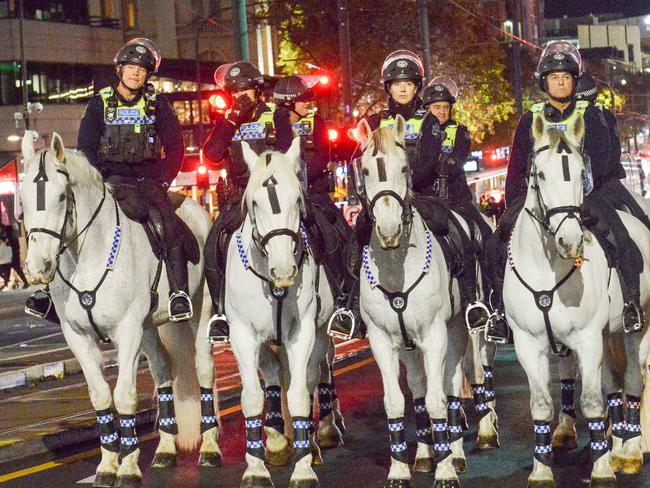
pixel 558 289
pixel 100 272
pixel 272 295
pixel 405 300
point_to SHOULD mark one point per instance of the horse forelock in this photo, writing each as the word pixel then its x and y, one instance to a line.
pixel 383 140
pixel 278 167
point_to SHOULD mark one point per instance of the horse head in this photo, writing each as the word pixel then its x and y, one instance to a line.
pixel 385 176
pixel 557 181
pixel 46 206
pixel 274 201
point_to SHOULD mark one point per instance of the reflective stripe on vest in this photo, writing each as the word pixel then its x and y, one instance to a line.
pixel 125 115
pixel 565 125
pixel 450 138
pixel 305 126
pixel 256 130
pixel 413 126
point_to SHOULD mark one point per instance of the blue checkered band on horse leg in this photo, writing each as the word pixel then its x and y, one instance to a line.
pixel 567 389
pixel 543 450
pixel 616 410
pixel 454 418
pixel 441 449
pixel 599 444
pixel 633 417
pixel 128 436
pixel 208 415
pixel 273 418
pixel 422 422
pixel 254 443
pixel 108 436
pixel 398 446
pixel 301 442
pixel 166 412
pixel 324 400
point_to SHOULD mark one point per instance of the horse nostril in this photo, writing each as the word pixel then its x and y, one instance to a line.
pixel 272 273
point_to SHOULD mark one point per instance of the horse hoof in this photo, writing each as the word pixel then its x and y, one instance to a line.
pixel 281 457
pixel 603 483
pixel 105 480
pixel 488 442
pixel 616 463
pixel 398 484
pixel 163 460
pixel 304 484
pixel 330 438
pixel 565 443
pixel 210 460
pixel 541 484
pixel 459 464
pixel 256 482
pixel 446 484
pixel 632 466
pixel 129 481
pixel 316 458
pixel 424 465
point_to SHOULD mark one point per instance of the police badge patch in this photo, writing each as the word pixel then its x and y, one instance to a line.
pixel 235 71
pixel 402 64
pixel 439 88
pixel 141 49
pixel 558 56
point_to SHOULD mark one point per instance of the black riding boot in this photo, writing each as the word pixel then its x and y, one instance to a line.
pixel 180 305
pixel 218 326
pixel 496 329
pixel 39 304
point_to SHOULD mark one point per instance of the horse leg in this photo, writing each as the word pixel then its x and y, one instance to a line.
pixel 457 344
pixel 160 366
pixel 336 406
pixel 417 382
pixel 210 453
pixel 387 358
pixel 278 447
pixel 533 357
pixel 488 352
pixel 590 357
pixel 564 436
pixel 636 348
pixel 128 345
pixel 299 350
pixel 615 407
pixel 434 350
pixel 329 434
pixel 85 349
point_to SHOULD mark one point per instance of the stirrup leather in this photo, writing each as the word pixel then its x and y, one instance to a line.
pixel 341 335
pixel 217 339
pixel 36 313
pixel 488 327
pixel 180 317
pixel 471 307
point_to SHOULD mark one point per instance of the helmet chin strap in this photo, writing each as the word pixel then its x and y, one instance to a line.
pixel 128 88
pixel 563 99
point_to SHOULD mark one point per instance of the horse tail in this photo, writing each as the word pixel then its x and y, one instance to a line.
pixel 179 342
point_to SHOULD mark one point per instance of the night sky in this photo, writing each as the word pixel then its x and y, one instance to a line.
pixel 629 8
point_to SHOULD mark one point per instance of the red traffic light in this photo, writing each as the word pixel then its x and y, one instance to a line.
pixel 324 80
pixel 218 101
pixel 333 134
pixel 201 169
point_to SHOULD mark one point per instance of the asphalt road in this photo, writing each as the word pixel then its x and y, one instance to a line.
pixel 363 461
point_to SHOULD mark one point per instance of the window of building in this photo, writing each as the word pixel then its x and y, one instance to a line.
pixel 47 10
pixel 107 9
pixel 131 14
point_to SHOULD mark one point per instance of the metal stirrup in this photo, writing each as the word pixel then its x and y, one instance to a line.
pixel 225 339
pixel 335 333
pixel 470 308
pixel 182 317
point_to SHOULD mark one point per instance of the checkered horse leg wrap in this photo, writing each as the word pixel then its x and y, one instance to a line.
pixel 108 436
pixel 543 450
pixel 598 442
pixel 254 443
pixel 166 414
pixel 208 416
pixel 488 382
pixel 454 420
pixel 617 414
pixel 128 436
pixel 480 403
pixel 441 448
pixel 273 418
pixel 422 422
pixel 301 443
pixel 398 446
pixel 633 417
pixel 324 400
pixel 568 405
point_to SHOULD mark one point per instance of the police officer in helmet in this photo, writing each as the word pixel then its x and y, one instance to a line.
pixel 444 177
pixel 133 137
pixel 558 72
pixel 252 120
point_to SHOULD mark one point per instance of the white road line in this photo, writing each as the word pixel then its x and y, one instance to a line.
pixel 18 344
pixel 87 481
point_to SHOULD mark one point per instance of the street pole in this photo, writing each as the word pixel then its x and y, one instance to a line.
pixel 344 53
pixel 240 29
pixel 516 55
pixel 198 81
pixel 423 12
pixel 23 64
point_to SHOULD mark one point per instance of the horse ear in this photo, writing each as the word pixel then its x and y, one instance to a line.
pixel 294 153
pixel 27 146
pixel 400 127
pixel 539 128
pixel 250 156
pixel 364 132
pixel 57 148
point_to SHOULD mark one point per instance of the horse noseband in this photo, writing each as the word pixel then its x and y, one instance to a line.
pixel 571 211
pixel 296 237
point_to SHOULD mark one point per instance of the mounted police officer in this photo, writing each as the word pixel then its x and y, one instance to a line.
pixel 252 120
pixel 133 137
pixel 294 115
pixel 558 72
pixel 442 175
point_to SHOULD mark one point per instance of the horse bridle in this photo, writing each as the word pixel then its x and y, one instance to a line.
pixel 571 211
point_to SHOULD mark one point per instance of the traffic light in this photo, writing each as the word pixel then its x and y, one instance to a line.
pixel 202 176
pixel 219 101
pixel 333 135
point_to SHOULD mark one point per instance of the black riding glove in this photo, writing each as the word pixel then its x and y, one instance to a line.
pixel 242 109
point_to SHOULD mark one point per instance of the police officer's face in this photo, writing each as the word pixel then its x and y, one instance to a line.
pixel 560 84
pixel 302 108
pixel 133 76
pixel 248 93
pixel 442 111
pixel 403 91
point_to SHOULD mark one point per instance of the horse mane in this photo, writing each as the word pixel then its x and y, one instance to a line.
pixel 383 140
pixel 262 172
pixel 80 170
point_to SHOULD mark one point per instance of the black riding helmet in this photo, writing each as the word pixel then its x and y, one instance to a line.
pixel 558 56
pixel 440 89
pixel 291 89
pixel 238 76
pixel 586 88
pixel 140 51
pixel 402 65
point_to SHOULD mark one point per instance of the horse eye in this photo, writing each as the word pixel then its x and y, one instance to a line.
pixel 61 197
pixel 405 169
pixel 365 172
